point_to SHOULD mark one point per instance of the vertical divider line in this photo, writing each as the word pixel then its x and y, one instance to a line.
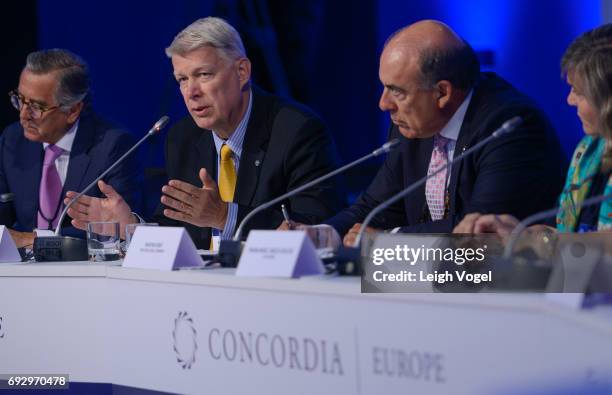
pixel 357 364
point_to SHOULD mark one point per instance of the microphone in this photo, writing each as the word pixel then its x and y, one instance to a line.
pixel 348 258
pixel 506 128
pixel 516 232
pixel 64 248
pixel 229 250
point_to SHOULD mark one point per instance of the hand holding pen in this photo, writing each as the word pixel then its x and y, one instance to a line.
pixel 290 225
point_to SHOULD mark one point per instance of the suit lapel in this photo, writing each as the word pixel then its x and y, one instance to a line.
pixel 31 172
pixel 208 156
pixel 79 155
pixel 415 202
pixel 253 151
pixel 464 142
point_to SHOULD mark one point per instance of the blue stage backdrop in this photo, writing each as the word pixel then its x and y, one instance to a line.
pixel 526 40
pixel 322 53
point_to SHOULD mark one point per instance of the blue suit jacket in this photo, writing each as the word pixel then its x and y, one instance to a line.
pixel 96 146
pixel 520 173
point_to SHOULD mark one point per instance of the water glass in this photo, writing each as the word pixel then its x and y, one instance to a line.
pixel 103 241
pixel 129 232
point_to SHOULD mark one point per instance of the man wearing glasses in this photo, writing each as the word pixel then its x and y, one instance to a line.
pixel 59 144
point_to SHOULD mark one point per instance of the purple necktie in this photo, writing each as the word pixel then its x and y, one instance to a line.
pixel 50 192
pixel 435 189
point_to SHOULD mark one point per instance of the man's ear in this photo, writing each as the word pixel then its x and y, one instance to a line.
pixel 243 67
pixel 444 91
pixel 75 112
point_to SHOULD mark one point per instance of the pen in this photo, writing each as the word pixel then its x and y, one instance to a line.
pixel 286 216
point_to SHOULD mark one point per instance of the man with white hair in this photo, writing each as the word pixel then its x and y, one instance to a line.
pixel 239 148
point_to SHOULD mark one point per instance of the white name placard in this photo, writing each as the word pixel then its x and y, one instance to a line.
pixel 272 253
pixel 8 250
pixel 161 248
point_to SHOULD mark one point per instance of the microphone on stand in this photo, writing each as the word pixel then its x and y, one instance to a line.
pixel 229 250
pixel 349 257
pixel 65 248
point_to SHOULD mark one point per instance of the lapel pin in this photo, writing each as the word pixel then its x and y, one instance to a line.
pixel 257 163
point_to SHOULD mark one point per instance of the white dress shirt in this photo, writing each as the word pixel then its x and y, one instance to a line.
pixel 451 131
pixel 65 143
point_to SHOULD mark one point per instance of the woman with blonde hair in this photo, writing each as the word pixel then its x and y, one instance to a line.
pixel 587 66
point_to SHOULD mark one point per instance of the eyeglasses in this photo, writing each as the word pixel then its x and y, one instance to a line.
pixel 37 110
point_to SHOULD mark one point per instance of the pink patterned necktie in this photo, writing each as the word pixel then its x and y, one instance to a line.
pixel 50 192
pixel 435 189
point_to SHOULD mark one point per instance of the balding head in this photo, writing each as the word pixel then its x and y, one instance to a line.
pixel 438 51
pixel 427 71
pixel 425 35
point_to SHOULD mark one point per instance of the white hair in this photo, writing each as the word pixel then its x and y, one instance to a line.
pixel 209 31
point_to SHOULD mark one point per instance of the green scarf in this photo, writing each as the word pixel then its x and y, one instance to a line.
pixel 586 162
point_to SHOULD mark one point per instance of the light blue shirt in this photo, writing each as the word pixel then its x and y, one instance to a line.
pixel 235 143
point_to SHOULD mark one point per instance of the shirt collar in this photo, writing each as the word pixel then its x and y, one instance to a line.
pixel 453 126
pixel 67 139
pixel 237 137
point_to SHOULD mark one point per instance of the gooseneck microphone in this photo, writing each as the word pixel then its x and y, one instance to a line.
pixel 506 128
pixel 229 250
pixel 388 146
pixel 157 127
pixel 64 248
pixel 537 217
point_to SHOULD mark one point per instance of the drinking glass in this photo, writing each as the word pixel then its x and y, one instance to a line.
pixel 103 241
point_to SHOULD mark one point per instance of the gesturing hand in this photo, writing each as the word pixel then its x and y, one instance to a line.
pixel 197 206
pixel 110 208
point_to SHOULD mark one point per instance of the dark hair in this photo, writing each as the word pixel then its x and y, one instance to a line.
pixel 589 58
pixel 459 65
pixel 73 83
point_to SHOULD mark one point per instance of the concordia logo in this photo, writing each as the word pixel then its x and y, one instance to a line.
pixel 184 337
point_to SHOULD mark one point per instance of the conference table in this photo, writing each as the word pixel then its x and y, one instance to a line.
pixel 209 331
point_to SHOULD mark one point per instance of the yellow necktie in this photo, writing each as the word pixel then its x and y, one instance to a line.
pixel 227 178
pixel 227 175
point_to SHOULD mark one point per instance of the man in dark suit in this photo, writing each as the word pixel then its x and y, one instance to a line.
pixel 58 144
pixel 239 148
pixel 440 105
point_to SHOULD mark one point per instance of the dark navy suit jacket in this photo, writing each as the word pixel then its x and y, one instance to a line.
pixel 285 146
pixel 519 173
pixel 96 146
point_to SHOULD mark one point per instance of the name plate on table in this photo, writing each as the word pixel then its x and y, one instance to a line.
pixel 269 253
pixel 161 248
pixel 8 250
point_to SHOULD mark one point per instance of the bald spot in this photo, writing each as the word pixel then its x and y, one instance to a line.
pixel 427 35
